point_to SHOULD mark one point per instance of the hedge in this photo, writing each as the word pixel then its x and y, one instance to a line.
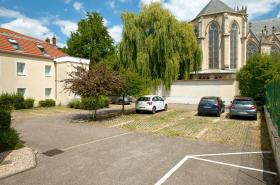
pixel 29 103
pixel 9 140
pixel 5 118
pixel 47 103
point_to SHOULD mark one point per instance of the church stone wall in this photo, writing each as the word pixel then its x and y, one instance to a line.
pixel 224 21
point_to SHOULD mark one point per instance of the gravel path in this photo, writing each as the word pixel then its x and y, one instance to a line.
pixel 16 161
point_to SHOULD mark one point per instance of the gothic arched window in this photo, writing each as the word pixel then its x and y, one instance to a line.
pixel 251 49
pixel 213 46
pixel 275 48
pixel 233 45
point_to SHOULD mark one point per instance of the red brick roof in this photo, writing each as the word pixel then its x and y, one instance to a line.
pixel 28 45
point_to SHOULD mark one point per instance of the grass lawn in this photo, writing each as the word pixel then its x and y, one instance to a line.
pixel 182 122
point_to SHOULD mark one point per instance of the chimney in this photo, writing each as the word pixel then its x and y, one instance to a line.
pixel 273 29
pixel 48 40
pixel 54 40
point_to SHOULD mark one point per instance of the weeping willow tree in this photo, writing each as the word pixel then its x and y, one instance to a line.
pixel 158 46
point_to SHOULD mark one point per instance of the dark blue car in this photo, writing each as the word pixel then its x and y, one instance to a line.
pixel 211 106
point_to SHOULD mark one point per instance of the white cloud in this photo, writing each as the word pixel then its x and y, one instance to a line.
pixel 105 22
pixel 66 27
pixel 29 27
pixel 61 45
pixel 4 12
pixel 25 25
pixel 187 10
pixel 112 4
pixel 116 33
pixel 78 6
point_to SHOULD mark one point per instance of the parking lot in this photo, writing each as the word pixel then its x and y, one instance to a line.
pixel 173 147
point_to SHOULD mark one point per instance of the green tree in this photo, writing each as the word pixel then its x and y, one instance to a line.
pixel 91 40
pixel 157 46
pixel 135 85
pixel 94 84
pixel 253 77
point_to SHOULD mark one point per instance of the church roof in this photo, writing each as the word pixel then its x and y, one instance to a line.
pixel 258 26
pixel 215 6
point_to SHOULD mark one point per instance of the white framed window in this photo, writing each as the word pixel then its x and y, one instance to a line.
pixel 21 91
pixel 42 49
pixel 14 44
pixel 21 69
pixel 48 92
pixel 48 70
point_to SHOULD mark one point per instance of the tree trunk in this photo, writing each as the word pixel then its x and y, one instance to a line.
pixel 94 115
pixel 123 105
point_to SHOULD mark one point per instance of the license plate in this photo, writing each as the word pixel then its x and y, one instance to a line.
pixel 244 113
pixel 207 107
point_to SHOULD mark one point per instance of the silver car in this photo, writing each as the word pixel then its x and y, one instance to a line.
pixel 243 107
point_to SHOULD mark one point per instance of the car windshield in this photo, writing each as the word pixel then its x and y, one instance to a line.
pixel 208 100
pixel 144 99
pixel 243 102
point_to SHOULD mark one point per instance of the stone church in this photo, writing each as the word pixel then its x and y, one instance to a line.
pixel 227 39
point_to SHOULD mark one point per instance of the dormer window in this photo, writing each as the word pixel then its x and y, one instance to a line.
pixel 42 49
pixel 14 43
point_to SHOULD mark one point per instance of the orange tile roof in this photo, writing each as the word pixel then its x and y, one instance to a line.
pixel 27 44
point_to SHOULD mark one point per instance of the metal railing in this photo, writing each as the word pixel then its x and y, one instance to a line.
pixel 273 101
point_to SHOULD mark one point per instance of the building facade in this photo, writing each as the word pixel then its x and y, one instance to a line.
pixel 34 68
pixel 227 39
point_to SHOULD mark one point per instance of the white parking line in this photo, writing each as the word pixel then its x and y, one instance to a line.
pixel 187 157
pixel 168 174
pixel 95 141
pixel 200 134
pixel 121 124
pixel 159 129
pixel 233 165
pixel 234 153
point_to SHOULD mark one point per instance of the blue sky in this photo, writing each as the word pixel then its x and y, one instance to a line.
pixel 43 19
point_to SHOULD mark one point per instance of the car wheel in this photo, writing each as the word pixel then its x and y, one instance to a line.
pixel 165 107
pixel 255 118
pixel 137 111
pixel 154 110
pixel 199 114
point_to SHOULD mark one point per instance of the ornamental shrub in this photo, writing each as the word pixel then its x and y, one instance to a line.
pixel 47 103
pixel 76 104
pixel 13 100
pixel 5 118
pixel 29 103
pixel 9 140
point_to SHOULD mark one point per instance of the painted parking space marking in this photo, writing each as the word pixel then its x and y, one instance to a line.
pixel 196 157
pixel 233 165
pixel 173 170
pixel 159 129
pixel 96 141
pixel 200 134
pixel 121 124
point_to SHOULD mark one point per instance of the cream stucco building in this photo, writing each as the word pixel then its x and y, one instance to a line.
pixel 34 68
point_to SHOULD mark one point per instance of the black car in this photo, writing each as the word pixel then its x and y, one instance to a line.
pixel 211 106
